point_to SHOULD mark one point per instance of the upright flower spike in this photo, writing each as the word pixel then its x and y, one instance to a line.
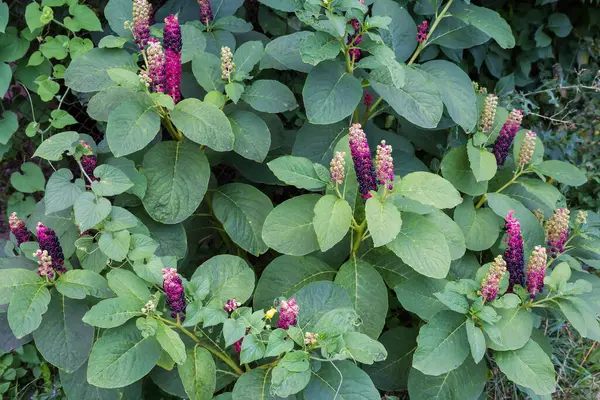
pixel 175 293
pixel 536 271
pixel 488 114
pixel 514 253
pixel 337 168
pixel 227 65
pixel 363 163
pixel 384 165
pixel 45 268
pixel 142 19
pixel 557 231
pixel 18 228
pixel 172 48
pixel 491 281
pixel 89 162
pixel 232 305
pixel 507 135
pixel 539 215
pixel 288 313
pixel 581 218
pixel 423 31
pixel 527 149
pixel 156 66
pixel 206 14
pixel 48 242
pixel 368 100
pixel 354 39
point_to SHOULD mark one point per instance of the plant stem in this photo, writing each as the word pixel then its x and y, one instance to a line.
pixel 358 239
pixel 83 172
pixel 435 24
pixel 172 130
pixel 513 180
pixel 224 357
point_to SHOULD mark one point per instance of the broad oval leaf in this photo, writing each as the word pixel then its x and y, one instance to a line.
pixel 429 189
pixel 198 374
pixel 333 217
pixel 345 380
pixel 229 276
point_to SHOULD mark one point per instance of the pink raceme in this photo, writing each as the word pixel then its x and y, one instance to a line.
pixel 18 228
pixel 288 313
pixel 174 291
pixel 423 31
pixel 514 252
pixel 384 165
pixel 48 242
pixel 156 66
pixel 536 271
pixel 363 163
pixel 488 114
pixel 206 14
pixel 557 231
pixel 172 48
pixel 527 149
pixel 142 19
pixel 507 135
pixel 491 281
pixel 231 305
pixel 337 168
pixel 45 268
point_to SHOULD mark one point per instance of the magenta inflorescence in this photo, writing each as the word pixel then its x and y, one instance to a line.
pixel 536 271
pixel 156 66
pixel 507 135
pixel 231 305
pixel 384 165
pixel 48 242
pixel 514 252
pixel 288 313
pixel 206 14
pixel 423 31
pixel 18 228
pixel 174 291
pixel 368 100
pixel 491 281
pixel 363 163
pixel 45 268
pixel 354 39
pixel 557 231
pixel 142 19
pixel 172 48
pixel 89 162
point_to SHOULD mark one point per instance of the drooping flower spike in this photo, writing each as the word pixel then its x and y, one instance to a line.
pixel 557 231
pixel 288 313
pixel 337 168
pixel 384 165
pixel 488 114
pixel 172 48
pixel 48 242
pixel 507 135
pixel 206 14
pixel 142 19
pixel 536 270
pixel 18 228
pixel 514 252
pixel 491 281
pixel 423 31
pixel 363 163
pixel 527 149
pixel 174 291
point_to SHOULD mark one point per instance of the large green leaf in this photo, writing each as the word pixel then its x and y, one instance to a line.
pixel 116 13
pixel 78 283
pixel 112 181
pixel 242 209
pixel 122 356
pixel 487 21
pixel 87 73
pixel 368 294
pixel 383 219
pixel 456 168
pixel 14 279
pixel 330 93
pixel 563 172
pixel 61 193
pixel 480 227
pixel 344 380
pixel 285 275
pixel 317 142
pixel 126 284
pixel 333 217
pixel 318 298
pixel 76 386
pixel 483 163
pixel 114 312
pixel 255 385
pixel 442 344
pixel 9 122
pixel 429 189
pixel 252 136
pixel 282 53
pixel 319 46
pixel 131 126
pixel 27 305
pixel 115 244
pixel 198 374
pixel 90 210
pixel 423 246
pixel 53 147
pixel 419 100
pixel 269 96
pixel 177 175
pixel 229 277
pixel 528 366
pixel 63 339
pixel 512 331
pixel 452 232
pixel 289 229
pixel 204 124
pixel 401 31
pixel 297 171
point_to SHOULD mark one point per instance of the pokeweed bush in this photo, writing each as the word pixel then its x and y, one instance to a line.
pixel 284 237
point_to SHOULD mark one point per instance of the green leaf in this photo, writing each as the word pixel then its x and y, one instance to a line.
pixel 480 227
pixel 177 175
pixel 140 184
pixel 285 382
pixel 112 181
pixel 234 91
pixel 483 163
pixel 204 124
pixel 246 57
pixel 52 148
pixel 285 275
pixel 514 329
pixel 429 189
pixel 47 88
pixel 416 294
pixel 150 269
pixel 289 229
pixel 278 343
pixel 61 118
pixel 560 24
pixel 383 220
pixel 254 385
pixel 229 277
pixel 75 386
pixel 142 246
pixel 90 256
pixel 476 341
pixel 317 299
pixel 252 349
pixel 193 42
pixel 78 283
pixel 124 77
pixel 456 168
pixel 198 374
pixel 87 73
pixel 33 16
pixel 79 46
pixel 60 192
pixel 368 294
pixel 344 380
pixel 85 18
pixel 207 71
pixel 170 342
pixel 431 257
pixel 562 171
pixel 442 344
pixel 298 171
pixel 419 100
pixel 363 349
pixel 330 94
pixel 487 21
pixel 115 245
pixel 126 284
pixel 27 305
pixel 116 13
pixel 113 312
pixel 465 382
pixel 122 356
pixel 119 219
pixel 269 96
pixel 35 59
pixel 12 46
pixel 9 122
pixel 102 103
pixel 3 17
pixel 63 339
pixel 333 217
pixel 454 301
pixel 242 209
pixel 15 279
pixel 391 374
pixel 282 53
pixel 112 42
pixel 528 366
pixel 452 232
pixel 401 31
pixel 131 126
pixel 319 46
pixel 90 210
pixel 31 180
pixel 252 135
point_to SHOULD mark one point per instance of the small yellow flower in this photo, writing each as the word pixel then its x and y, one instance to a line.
pixel 271 313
